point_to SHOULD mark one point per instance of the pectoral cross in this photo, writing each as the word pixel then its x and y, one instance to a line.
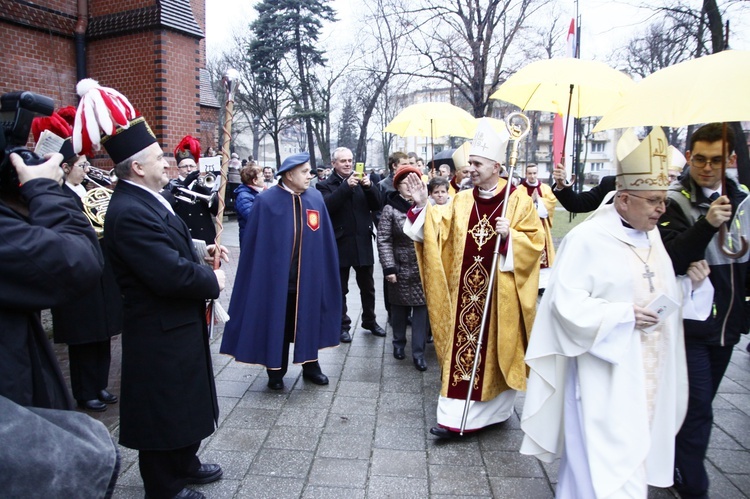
pixel 482 232
pixel 649 275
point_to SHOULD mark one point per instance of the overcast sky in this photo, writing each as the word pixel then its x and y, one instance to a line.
pixel 604 23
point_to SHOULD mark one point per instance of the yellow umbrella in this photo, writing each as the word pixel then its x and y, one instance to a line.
pixel 707 89
pixel 432 119
pixel 586 88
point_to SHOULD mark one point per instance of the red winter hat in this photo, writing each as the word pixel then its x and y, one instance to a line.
pixel 402 173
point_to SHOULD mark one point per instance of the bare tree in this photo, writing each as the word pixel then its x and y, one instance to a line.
pixel 466 43
pixel 381 45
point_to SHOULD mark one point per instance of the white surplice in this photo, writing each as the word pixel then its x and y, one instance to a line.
pixel 605 396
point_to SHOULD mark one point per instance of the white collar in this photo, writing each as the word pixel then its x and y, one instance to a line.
pixel 158 196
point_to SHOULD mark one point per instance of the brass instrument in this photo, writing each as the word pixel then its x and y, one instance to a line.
pixel 208 180
pixel 192 197
pixel 95 204
pixel 102 178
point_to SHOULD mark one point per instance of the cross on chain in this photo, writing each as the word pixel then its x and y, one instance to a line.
pixel 482 232
pixel 649 275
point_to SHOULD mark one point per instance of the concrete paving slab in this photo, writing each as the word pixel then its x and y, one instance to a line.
pixel 366 434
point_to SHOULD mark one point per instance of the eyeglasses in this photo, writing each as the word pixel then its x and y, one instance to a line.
pixel 701 161
pixel 653 202
pixel 187 166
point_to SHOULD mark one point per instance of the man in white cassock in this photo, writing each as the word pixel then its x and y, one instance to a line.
pixel 607 390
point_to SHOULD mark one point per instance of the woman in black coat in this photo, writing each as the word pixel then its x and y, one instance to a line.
pixel 401 271
pixel 87 324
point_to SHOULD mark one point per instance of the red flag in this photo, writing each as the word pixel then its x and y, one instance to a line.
pixel 558 134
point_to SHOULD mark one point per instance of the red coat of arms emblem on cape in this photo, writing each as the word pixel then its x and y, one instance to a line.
pixel 313 219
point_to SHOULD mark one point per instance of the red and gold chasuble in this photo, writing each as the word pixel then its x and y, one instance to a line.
pixel 472 293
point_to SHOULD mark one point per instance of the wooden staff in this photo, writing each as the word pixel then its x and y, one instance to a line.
pixel 230 85
pixel 517 133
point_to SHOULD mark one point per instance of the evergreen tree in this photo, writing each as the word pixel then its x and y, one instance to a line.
pixel 286 32
pixel 348 127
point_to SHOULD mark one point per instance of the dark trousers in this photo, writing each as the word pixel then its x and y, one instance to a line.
pixel 165 472
pixel 706 365
pixel 289 318
pixel 89 369
pixel 366 284
pixel 419 321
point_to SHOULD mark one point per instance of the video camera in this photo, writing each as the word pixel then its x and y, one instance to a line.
pixel 17 111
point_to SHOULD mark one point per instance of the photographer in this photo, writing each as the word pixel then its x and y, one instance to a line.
pixel 49 255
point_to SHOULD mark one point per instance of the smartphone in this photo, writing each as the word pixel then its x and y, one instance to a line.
pixel 359 169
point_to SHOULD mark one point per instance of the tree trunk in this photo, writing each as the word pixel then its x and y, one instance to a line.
pixel 305 97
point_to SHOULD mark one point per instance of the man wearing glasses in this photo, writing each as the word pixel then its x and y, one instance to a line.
pixel 196 211
pixel 698 206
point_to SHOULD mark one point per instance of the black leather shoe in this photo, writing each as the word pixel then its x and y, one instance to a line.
pixel 398 353
pixel 189 494
pixel 346 337
pixel 376 330
pixel 444 433
pixel 429 339
pixel 276 383
pixel 316 378
pixel 94 405
pixel 420 364
pixel 107 397
pixel 207 473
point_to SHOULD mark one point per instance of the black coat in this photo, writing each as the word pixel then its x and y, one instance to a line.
pixel 585 202
pixel 47 258
pixel 197 215
pixel 351 215
pixel 168 396
pixel 97 315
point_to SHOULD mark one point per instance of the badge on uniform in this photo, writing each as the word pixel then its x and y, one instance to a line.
pixel 313 219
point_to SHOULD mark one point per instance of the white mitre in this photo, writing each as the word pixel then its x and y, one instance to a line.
pixel 461 155
pixel 488 143
pixel 643 165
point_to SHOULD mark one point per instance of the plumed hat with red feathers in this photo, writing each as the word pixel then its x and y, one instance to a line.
pixel 106 118
pixel 57 125
pixel 189 147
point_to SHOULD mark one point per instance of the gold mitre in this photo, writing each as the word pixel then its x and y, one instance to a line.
pixel 488 143
pixel 643 165
pixel 461 155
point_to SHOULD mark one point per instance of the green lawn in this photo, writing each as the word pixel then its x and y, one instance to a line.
pixel 564 222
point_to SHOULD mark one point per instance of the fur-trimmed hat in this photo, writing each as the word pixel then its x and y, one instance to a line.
pixel 189 147
pixel 106 118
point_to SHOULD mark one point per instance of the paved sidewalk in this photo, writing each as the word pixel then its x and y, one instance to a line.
pixel 366 434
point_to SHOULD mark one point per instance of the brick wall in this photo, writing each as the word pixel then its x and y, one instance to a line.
pixel 39 62
pixel 158 70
